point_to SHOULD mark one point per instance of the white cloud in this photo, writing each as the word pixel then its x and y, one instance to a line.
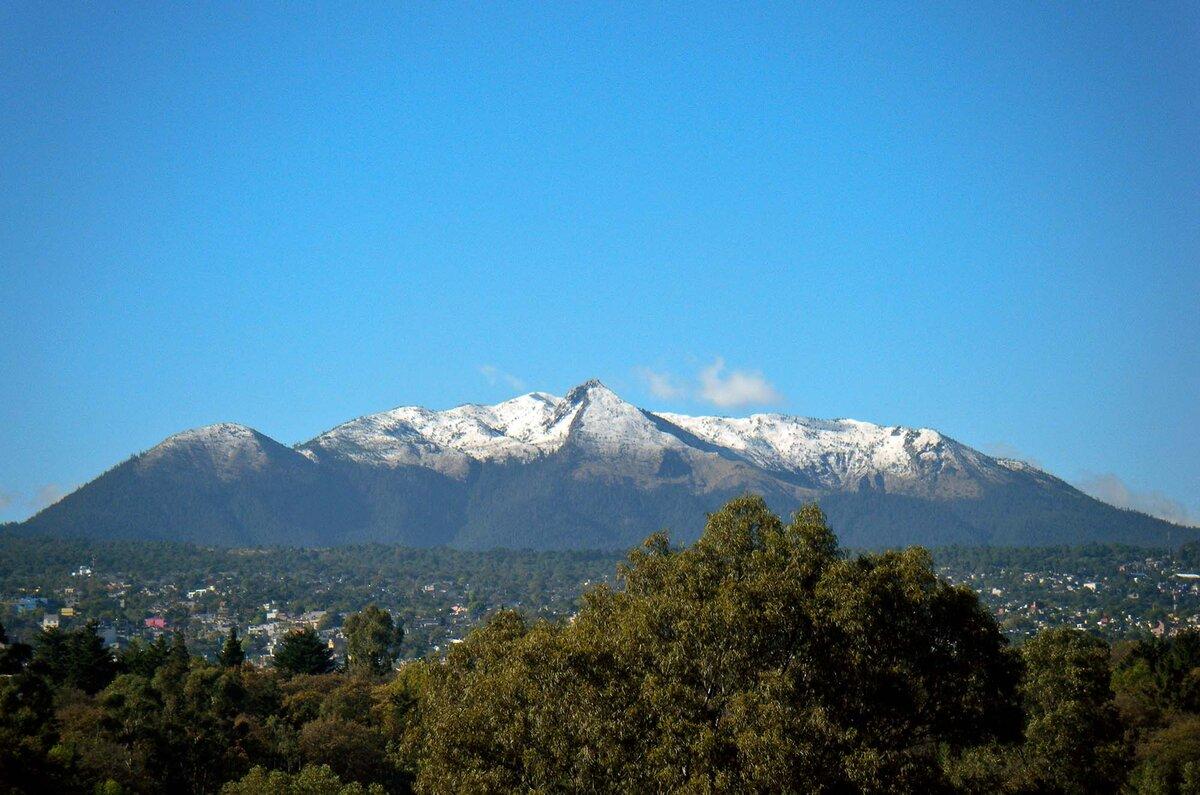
pixel 26 504
pixel 1111 489
pixel 712 384
pixel 737 388
pixel 662 385
pixel 47 495
pixel 495 375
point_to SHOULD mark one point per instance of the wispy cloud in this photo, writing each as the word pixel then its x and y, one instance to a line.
pixel 662 385
pixel 24 504
pixel 1111 489
pixel 713 384
pixel 46 495
pixel 736 388
pixel 495 375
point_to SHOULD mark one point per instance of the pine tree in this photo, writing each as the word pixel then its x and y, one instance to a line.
pixel 302 652
pixel 178 653
pixel 175 666
pixel 143 658
pixel 232 655
pixel 76 657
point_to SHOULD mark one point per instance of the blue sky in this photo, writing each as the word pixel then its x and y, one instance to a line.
pixel 981 220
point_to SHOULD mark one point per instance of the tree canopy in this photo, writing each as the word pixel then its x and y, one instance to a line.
pixel 232 654
pixel 302 652
pixel 372 641
pixel 757 659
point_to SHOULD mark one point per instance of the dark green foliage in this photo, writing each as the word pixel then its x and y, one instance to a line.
pixel 757 660
pixel 26 734
pixel 232 654
pixel 1170 759
pixel 144 658
pixel 302 652
pixel 13 657
pixel 75 658
pixel 1158 693
pixel 1189 555
pixel 178 660
pixel 372 641
pixel 1074 737
pixel 311 780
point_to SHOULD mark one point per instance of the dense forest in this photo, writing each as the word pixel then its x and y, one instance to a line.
pixel 761 658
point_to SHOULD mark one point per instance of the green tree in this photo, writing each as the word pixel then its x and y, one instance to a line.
pixel 1170 759
pixel 759 659
pixel 143 658
pixel 26 734
pixel 372 641
pixel 13 657
pixel 76 658
pixel 302 652
pixel 351 749
pixel 1074 737
pixel 232 654
pixel 311 780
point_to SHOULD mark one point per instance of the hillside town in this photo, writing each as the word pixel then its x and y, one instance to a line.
pixel 266 593
pixel 1122 594
pixel 1150 595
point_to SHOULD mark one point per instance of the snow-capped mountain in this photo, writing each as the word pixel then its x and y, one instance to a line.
pixel 521 429
pixel 587 469
pixel 226 448
pixel 849 454
pixel 819 454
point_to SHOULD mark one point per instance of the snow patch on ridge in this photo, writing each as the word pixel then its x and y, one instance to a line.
pixel 227 446
pixel 836 454
pixel 834 451
pixel 520 429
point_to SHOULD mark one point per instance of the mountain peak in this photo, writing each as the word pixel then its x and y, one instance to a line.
pixel 591 388
pixel 589 464
pixel 227 447
pixel 217 433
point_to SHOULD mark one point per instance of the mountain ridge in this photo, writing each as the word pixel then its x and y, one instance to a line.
pixel 587 469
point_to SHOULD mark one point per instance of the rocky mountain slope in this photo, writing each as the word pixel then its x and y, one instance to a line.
pixel 584 470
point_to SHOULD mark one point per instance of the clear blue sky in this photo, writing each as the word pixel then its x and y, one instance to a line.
pixel 985 221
